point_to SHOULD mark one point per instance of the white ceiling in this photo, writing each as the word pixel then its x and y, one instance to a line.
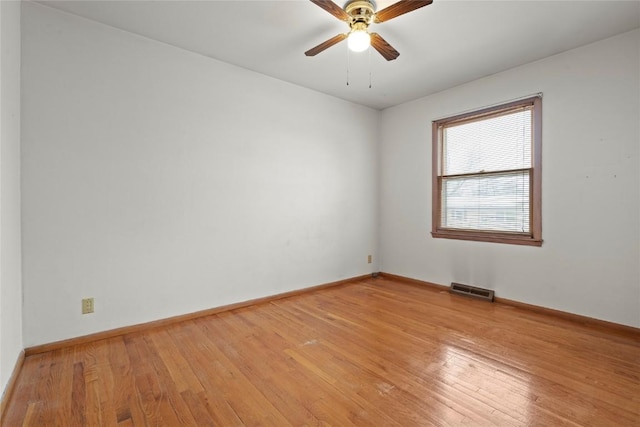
pixel 442 45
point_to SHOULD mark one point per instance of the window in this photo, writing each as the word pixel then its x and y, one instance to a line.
pixel 486 174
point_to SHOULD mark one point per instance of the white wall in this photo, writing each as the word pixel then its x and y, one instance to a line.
pixel 161 182
pixel 10 252
pixel 588 263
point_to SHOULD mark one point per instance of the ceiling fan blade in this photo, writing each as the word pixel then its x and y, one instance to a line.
pixel 400 8
pixel 384 48
pixel 325 45
pixel 332 8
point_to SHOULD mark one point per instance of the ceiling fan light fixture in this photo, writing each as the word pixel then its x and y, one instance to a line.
pixel 359 14
pixel 359 40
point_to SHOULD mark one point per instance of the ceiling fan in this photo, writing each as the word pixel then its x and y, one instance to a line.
pixel 359 14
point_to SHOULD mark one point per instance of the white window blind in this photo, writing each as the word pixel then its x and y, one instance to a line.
pixel 486 169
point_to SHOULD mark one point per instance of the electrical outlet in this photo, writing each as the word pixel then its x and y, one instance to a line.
pixel 369 258
pixel 87 305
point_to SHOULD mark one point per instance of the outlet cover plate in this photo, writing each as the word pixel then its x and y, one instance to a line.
pixel 87 305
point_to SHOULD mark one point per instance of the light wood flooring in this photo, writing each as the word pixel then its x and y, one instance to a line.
pixel 373 353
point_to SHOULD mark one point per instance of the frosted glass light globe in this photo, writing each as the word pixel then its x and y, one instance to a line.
pixel 359 41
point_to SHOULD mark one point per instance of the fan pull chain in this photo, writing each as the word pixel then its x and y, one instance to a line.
pixel 347 66
pixel 369 67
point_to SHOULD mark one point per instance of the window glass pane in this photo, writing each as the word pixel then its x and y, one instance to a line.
pixel 497 202
pixel 492 144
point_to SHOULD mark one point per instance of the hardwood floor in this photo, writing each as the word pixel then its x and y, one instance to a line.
pixel 374 353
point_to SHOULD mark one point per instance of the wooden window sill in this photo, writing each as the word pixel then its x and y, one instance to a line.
pixel 487 237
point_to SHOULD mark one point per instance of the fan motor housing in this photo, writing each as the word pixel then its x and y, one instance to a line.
pixel 360 11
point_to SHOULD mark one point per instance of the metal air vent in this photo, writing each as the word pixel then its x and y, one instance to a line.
pixel 471 291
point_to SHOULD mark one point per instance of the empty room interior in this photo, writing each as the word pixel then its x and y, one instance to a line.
pixel 232 213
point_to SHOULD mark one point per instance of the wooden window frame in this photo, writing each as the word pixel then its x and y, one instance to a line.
pixel 534 237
